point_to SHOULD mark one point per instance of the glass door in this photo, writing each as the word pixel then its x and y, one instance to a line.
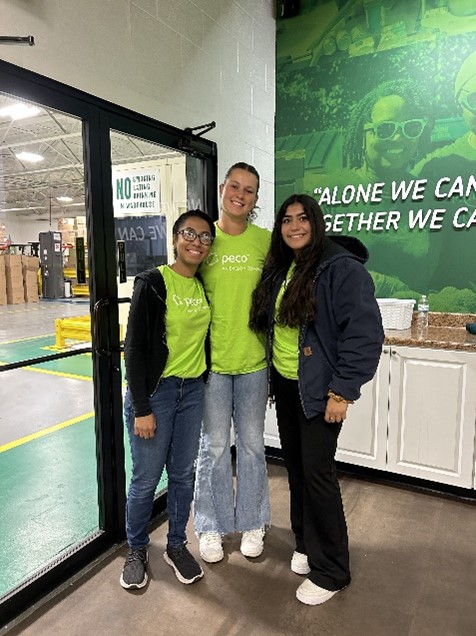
pixel 88 196
pixel 49 492
pixel 152 185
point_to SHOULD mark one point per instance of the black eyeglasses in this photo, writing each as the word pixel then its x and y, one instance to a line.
pixel 412 128
pixel 189 234
pixel 468 101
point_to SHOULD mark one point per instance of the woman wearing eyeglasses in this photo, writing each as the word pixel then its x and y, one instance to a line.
pixel 166 360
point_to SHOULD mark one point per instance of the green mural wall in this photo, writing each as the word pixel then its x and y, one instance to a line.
pixel 376 118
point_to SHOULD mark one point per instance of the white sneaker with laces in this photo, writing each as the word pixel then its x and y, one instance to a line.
pixel 299 563
pixel 311 594
pixel 210 545
pixel 252 544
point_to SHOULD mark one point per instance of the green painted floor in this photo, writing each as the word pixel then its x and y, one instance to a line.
pixel 48 494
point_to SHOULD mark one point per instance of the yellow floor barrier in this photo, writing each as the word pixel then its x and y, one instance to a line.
pixel 74 328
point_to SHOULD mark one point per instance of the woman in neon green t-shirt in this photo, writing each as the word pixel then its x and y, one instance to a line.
pixel 236 390
pixel 165 366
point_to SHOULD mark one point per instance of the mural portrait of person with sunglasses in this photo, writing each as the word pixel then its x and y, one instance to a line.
pixel 385 135
pixel 384 132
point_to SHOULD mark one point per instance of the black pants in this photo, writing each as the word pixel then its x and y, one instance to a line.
pixel 317 513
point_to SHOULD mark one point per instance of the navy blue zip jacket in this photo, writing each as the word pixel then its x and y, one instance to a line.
pixel 340 349
pixel 145 348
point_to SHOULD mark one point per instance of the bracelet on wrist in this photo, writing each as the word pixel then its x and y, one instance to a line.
pixel 338 398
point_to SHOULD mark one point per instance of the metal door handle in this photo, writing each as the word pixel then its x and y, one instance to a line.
pixel 99 306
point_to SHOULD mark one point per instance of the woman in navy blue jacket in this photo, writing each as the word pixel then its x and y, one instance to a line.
pixel 315 301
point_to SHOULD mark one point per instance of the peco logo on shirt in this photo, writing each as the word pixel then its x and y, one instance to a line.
pixel 188 302
pixel 225 260
pixel 234 258
pixel 211 260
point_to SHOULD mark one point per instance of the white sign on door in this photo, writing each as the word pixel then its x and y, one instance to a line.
pixel 136 191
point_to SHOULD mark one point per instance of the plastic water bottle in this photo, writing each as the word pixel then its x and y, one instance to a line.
pixel 423 311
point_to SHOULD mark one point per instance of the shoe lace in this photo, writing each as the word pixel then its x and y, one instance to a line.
pixel 210 537
pixel 254 535
pixel 135 555
pixel 182 555
pixel 181 551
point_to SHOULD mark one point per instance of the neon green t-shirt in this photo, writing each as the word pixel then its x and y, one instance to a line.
pixel 186 324
pixel 230 274
pixel 286 339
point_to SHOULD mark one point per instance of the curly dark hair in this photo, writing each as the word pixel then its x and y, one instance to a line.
pixel 297 304
pixel 361 114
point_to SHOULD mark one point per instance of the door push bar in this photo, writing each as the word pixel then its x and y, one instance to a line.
pixel 101 304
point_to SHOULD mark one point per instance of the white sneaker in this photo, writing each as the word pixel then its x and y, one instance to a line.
pixel 210 545
pixel 299 563
pixel 252 544
pixel 311 594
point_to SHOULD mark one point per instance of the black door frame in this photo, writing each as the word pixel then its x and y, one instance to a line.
pixel 98 117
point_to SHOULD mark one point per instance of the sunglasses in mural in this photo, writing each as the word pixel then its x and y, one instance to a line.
pixel 411 129
pixel 468 100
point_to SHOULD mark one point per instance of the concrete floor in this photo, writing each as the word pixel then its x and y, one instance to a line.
pixel 414 573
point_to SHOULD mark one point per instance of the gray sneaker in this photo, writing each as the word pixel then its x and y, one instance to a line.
pixel 134 573
pixel 184 564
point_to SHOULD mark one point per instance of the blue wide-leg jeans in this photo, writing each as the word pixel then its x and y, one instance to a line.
pixel 217 508
pixel 178 408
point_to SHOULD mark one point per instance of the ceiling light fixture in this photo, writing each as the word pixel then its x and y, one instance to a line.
pixel 17 39
pixel 19 111
pixel 32 157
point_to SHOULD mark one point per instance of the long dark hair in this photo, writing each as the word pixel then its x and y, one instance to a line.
pixel 297 305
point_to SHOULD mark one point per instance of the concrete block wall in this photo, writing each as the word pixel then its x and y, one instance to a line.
pixel 184 62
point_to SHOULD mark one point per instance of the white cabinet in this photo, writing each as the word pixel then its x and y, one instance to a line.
pixel 417 417
pixel 432 412
pixel 363 438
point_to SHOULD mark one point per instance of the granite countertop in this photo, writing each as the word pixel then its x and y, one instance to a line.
pixel 445 331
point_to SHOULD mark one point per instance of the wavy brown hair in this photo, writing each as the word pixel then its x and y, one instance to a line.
pixel 297 305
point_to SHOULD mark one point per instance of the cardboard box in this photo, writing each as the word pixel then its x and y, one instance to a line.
pixel 14 279
pixel 13 262
pixel 15 296
pixel 30 263
pixel 30 266
pixel 30 286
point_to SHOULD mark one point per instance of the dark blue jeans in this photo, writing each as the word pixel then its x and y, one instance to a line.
pixel 178 408
pixel 317 513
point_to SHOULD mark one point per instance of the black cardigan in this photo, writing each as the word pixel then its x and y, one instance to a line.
pixel 145 349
